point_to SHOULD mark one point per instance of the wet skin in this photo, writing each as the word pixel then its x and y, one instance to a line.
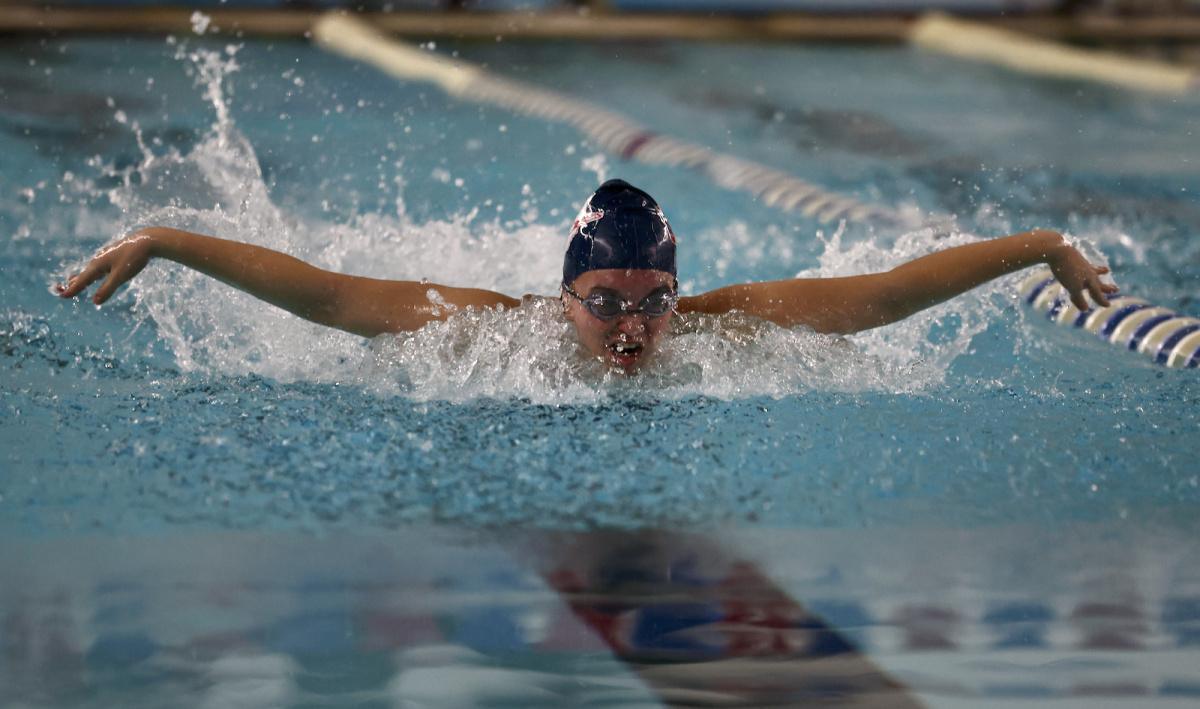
pixel 627 341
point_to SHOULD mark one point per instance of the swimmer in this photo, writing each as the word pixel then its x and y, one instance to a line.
pixel 619 285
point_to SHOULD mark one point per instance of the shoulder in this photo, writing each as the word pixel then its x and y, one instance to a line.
pixel 531 299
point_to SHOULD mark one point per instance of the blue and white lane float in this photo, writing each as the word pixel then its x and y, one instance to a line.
pixel 610 131
pixel 1165 336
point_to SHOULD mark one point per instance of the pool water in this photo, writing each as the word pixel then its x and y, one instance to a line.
pixel 208 502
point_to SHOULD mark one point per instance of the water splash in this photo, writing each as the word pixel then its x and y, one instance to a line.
pixel 217 187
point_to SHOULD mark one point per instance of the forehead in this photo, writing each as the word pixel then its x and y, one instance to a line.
pixel 634 282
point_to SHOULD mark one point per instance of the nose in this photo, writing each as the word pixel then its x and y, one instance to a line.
pixel 632 324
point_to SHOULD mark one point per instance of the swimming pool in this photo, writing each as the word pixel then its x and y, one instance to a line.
pixel 208 502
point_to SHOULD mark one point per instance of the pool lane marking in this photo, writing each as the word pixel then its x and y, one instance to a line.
pixel 1127 333
pixel 1186 349
pixel 1032 55
pixel 1167 337
pixel 611 131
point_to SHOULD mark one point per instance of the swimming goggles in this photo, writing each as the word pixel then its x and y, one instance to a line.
pixel 607 307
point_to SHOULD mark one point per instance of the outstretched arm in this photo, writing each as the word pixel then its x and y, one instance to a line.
pixel 845 305
pixel 363 306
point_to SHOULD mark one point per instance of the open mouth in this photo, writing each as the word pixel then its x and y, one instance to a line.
pixel 625 353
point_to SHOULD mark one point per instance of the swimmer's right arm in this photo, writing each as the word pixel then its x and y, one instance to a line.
pixel 363 306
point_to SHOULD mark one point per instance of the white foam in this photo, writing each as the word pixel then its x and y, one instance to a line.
pixel 531 353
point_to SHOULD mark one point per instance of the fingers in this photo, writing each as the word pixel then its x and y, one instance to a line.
pixel 1100 290
pixel 110 285
pixel 1096 290
pixel 83 279
pixel 1078 299
pixel 120 263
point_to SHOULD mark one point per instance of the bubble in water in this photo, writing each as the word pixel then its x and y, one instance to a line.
pixel 598 164
pixel 200 22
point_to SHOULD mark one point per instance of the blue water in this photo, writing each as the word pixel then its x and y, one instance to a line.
pixel 1020 494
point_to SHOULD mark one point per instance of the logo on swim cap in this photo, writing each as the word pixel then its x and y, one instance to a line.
pixel 586 216
pixel 621 227
pixel 670 232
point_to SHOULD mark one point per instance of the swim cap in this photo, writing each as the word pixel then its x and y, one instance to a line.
pixel 619 226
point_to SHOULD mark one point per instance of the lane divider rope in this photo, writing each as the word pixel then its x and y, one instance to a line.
pixel 1032 55
pixel 1165 336
pixel 609 130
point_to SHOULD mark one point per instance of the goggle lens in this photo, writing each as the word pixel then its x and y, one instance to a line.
pixel 607 307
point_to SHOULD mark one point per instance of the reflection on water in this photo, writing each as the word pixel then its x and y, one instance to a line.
pixel 438 618
pixel 640 618
pixel 703 627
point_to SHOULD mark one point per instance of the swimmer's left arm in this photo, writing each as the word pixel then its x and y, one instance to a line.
pixel 855 303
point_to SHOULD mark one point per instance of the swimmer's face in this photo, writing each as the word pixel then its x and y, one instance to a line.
pixel 627 340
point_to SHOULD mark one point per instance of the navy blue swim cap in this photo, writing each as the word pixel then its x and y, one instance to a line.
pixel 619 226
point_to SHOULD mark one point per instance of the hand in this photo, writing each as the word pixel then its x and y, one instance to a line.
pixel 1077 275
pixel 120 262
